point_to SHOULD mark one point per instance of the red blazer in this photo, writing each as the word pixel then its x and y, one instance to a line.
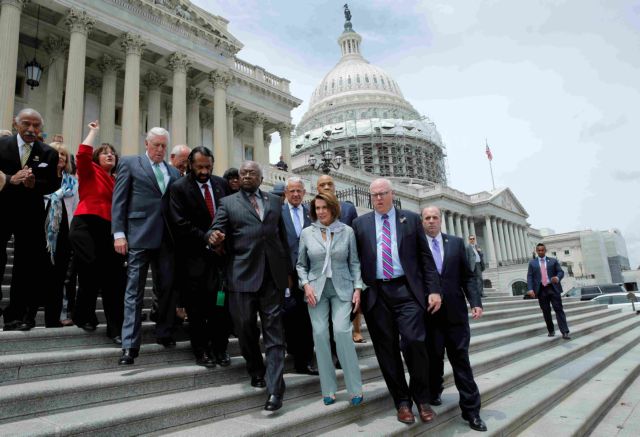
pixel 95 186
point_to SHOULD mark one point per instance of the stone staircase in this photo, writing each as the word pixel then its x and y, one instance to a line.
pixel 66 381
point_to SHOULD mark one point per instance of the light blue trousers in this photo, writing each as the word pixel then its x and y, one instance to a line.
pixel 339 310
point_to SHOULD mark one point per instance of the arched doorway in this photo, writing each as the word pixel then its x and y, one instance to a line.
pixel 519 288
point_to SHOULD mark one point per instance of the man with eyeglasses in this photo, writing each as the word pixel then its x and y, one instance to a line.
pixel 402 284
pixel 476 262
pixel 30 167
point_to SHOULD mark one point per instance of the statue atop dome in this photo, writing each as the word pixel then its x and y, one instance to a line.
pixel 347 17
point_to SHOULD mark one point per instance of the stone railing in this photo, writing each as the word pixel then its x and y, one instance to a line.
pixel 261 75
pixel 360 197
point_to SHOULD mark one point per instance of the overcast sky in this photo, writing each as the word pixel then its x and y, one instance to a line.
pixel 552 85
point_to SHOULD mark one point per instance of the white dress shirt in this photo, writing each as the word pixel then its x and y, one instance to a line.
pixel 397 267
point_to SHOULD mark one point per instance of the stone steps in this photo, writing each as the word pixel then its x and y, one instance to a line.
pixel 622 419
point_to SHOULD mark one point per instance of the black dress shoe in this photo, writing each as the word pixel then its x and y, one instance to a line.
pixel 128 356
pixel 117 340
pixel 566 336
pixel 258 381
pixel 309 369
pixel 89 327
pixel 551 334
pixel 24 326
pixel 205 361
pixel 274 402
pixel 11 326
pixel 475 422
pixel 436 401
pixel 223 359
pixel 166 341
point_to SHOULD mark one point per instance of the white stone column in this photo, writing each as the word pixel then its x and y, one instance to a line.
pixel 56 48
pixel 9 38
pixel 492 261
pixel 506 252
pixel 523 251
pixel 179 63
pixel 79 24
pixel 153 81
pixel 472 227
pixel 465 228
pixel 194 96
pixel 450 225
pixel 512 241
pixel 443 219
pixel 496 239
pixel 133 46
pixel 259 150
pixel 458 225
pixel 232 110
pixel 523 241
pixel 220 80
pixel 109 67
pixel 285 137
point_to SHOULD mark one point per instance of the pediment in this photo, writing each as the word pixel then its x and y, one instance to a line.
pixel 507 200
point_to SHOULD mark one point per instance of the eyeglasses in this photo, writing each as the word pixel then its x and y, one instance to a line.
pixel 380 194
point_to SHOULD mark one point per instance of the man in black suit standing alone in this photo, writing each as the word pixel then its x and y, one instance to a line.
pixel 250 223
pixel 297 324
pixel 543 280
pixel 449 328
pixel 30 167
pixel 195 199
pixel 402 283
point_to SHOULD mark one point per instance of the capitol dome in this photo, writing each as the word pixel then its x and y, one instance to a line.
pixel 370 124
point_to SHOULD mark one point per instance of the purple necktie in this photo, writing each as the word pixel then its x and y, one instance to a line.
pixel 437 255
pixel 385 244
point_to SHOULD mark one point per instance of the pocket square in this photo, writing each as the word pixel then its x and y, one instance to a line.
pixel 43 164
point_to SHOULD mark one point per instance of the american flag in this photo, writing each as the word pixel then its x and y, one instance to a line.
pixel 489 154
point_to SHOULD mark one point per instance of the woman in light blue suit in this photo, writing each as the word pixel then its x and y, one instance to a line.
pixel 329 272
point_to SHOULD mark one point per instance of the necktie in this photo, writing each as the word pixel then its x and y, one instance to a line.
pixel 543 272
pixel 254 203
pixel 296 221
pixel 385 244
pixel 208 200
pixel 26 152
pixel 437 255
pixel 159 177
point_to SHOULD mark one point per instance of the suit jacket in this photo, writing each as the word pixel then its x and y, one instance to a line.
pixel 457 282
pixel 345 266
pixel 43 161
pixel 292 238
pixel 471 256
pixel 190 220
pixel 348 213
pixel 253 245
pixel 413 250
pixel 534 277
pixel 139 208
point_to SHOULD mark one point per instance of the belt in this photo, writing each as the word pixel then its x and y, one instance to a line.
pixel 391 280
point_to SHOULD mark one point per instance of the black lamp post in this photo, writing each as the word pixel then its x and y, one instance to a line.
pixel 327 160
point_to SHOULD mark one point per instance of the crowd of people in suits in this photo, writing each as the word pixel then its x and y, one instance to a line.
pixel 223 252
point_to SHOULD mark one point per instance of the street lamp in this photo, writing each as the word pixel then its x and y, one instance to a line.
pixel 327 160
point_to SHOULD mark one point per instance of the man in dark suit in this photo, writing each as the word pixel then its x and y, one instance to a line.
pixel 449 328
pixel 250 223
pixel 476 262
pixel 30 167
pixel 141 231
pixel 402 283
pixel 543 281
pixel 195 199
pixel 297 324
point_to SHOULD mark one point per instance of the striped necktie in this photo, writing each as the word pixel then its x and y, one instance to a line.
pixel 159 177
pixel 385 244
pixel 26 152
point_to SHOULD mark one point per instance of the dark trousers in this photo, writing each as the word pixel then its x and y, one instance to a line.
pixel 478 278
pixel 100 270
pixel 548 297
pixel 161 261
pixel 244 307
pixel 454 338
pixel 297 329
pixel 396 324
pixel 209 323
pixel 30 263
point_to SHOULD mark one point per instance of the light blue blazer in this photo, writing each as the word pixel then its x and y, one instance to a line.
pixel 345 266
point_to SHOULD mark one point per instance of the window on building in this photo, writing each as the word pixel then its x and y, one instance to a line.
pixel 519 288
pixel 553 253
pixel 248 153
pixel 486 283
pixel 19 87
pixel 566 252
pixel 118 116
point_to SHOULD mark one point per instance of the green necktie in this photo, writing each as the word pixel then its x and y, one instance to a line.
pixel 159 176
pixel 26 152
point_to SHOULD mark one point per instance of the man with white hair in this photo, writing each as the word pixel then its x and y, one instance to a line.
pixel 140 229
pixel 30 169
pixel 179 158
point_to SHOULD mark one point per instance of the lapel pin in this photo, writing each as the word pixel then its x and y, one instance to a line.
pixel 403 219
pixel 36 158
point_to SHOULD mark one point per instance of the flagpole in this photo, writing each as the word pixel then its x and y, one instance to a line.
pixel 490 165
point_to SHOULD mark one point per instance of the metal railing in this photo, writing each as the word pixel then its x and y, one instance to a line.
pixel 360 197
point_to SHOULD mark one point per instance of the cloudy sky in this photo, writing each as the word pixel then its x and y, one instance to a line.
pixel 553 85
